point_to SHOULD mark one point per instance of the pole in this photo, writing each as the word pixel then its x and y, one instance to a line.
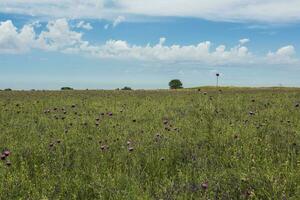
pixel 217 75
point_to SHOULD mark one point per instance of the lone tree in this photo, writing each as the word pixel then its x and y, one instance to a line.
pixel 175 84
pixel 126 88
pixel 66 88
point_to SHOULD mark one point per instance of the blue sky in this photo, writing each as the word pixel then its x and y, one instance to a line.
pixel 103 44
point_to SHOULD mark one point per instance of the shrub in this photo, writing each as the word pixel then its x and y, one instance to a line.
pixel 8 89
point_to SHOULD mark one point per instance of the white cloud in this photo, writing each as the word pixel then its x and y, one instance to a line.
pixel 244 41
pixel 59 36
pixel 13 41
pixel 82 24
pixel 284 55
pixel 286 51
pixel 162 41
pixel 56 8
pixel 118 20
pixel 275 11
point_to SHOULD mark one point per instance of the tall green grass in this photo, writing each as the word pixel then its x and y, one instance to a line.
pixel 155 145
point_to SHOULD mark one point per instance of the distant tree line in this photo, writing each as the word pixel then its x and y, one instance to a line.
pixel 173 84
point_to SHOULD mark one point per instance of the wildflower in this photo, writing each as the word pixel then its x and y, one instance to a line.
pixel 204 185
pixel 6 153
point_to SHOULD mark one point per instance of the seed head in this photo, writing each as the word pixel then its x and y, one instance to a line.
pixel 3 157
pixel 251 113
pixel 130 149
pixel 8 163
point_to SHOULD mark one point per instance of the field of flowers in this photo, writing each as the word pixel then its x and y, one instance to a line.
pixel 188 144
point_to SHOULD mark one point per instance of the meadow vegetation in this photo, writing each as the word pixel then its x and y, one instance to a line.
pixel 197 143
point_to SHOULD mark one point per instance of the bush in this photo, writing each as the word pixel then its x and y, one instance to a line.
pixel 126 88
pixel 8 89
pixel 175 84
pixel 66 88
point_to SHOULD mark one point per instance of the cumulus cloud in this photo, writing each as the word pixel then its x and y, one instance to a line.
pixel 60 37
pixel 286 51
pixel 14 41
pixel 284 55
pixel 275 11
pixel 162 41
pixel 84 25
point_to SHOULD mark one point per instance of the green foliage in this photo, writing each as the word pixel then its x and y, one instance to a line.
pixel 150 144
pixel 126 88
pixel 66 88
pixel 175 84
pixel 8 89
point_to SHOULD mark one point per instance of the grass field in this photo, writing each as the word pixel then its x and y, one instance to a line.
pixel 189 144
